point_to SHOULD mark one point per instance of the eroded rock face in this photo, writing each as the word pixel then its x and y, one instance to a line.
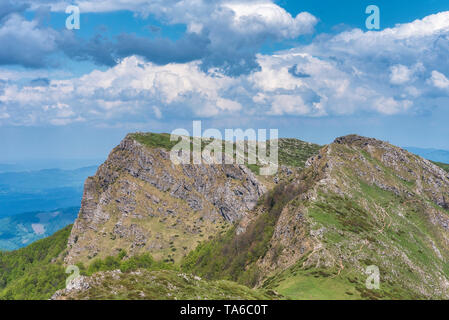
pixel 140 201
pixel 368 202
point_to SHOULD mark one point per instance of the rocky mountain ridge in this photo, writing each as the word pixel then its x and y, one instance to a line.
pixel 369 203
pixel 141 202
pixel 358 202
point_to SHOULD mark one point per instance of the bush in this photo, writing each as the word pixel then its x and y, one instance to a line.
pixel 232 257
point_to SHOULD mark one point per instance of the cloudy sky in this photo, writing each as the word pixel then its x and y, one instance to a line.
pixel 308 68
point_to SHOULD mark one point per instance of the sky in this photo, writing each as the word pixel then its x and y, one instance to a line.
pixel 310 69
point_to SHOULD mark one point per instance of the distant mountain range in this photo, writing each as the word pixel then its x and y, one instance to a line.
pixel 43 164
pixel 430 154
pixel 22 229
pixel 42 190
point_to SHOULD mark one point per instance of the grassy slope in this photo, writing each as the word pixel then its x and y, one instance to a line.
pixel 388 230
pixel 372 227
pixel 313 284
pixel 29 273
pixel 154 140
pixel 292 152
pixel 165 285
pixel 36 273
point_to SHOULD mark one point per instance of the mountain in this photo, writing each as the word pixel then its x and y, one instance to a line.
pixel 43 190
pixel 22 229
pixel 431 154
pixel 139 201
pixel 38 272
pixel 329 219
pixel 359 203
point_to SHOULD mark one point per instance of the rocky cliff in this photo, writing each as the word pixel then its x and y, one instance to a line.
pixel 365 202
pixel 358 203
pixel 140 201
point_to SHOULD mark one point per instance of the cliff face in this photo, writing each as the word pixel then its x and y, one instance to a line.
pixel 366 203
pixel 358 203
pixel 141 202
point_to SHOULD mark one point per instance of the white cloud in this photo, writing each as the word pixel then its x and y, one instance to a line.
pixel 4 115
pixel 258 17
pixel 439 80
pixel 25 42
pixel 288 104
pixel 390 106
pixel 386 72
pixel 157 112
pixel 249 17
pixel 400 74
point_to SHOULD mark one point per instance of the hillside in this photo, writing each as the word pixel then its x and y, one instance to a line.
pixel 156 285
pixel 36 271
pixel 140 201
pixel 360 202
pixel 150 229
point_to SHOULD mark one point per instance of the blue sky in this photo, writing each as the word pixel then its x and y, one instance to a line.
pixel 308 68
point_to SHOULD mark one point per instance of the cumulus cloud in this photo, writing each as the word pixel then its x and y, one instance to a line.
pixel 439 80
pixel 130 89
pixel 400 74
pixel 222 34
pixel 388 71
pixel 25 42
pixel 401 70
pixel 255 18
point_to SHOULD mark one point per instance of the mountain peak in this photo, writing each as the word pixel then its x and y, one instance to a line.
pixel 359 141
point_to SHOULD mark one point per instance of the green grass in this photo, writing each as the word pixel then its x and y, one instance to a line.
pixel 314 287
pixel 341 212
pixel 125 264
pixel 32 272
pixel 155 140
pixel 166 285
pixel 294 152
pixel 254 168
pixel 310 283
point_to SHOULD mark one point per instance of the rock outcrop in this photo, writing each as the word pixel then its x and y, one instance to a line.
pixel 140 201
pixel 366 203
pixel 358 203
